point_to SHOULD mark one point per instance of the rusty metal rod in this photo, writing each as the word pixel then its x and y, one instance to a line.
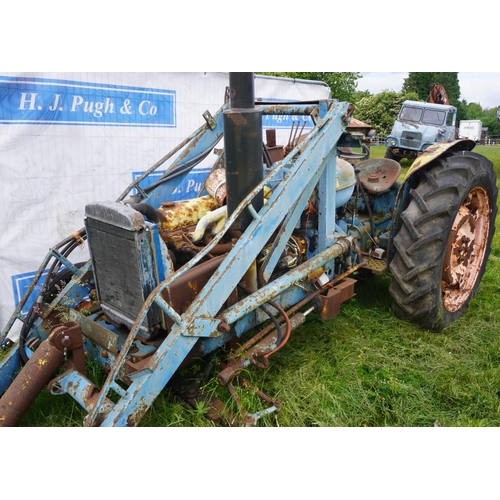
pixel 25 388
pixel 297 306
pixel 243 355
pixel 273 289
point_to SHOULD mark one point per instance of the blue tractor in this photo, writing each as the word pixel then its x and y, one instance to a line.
pixel 271 239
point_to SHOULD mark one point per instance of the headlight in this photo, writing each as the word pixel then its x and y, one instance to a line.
pixel 393 142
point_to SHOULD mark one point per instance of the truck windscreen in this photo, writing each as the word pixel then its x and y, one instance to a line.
pixel 433 117
pixel 420 115
pixel 410 114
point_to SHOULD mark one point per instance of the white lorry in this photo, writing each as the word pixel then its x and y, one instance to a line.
pixel 470 129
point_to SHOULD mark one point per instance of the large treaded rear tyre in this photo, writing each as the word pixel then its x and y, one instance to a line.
pixel 445 240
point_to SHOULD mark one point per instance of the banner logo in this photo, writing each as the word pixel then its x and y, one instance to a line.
pixel 186 190
pixel 41 101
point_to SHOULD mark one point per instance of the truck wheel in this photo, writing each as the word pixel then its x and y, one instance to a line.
pixel 444 241
pixel 389 154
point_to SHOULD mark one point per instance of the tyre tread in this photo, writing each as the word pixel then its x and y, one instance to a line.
pixel 423 235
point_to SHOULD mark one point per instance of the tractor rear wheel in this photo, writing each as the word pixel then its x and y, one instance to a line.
pixel 445 240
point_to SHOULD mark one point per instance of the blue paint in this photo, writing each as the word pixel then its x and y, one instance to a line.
pixel 187 189
pixel 63 102
pixel 21 283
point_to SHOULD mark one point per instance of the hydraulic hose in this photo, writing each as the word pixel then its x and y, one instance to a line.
pixel 181 168
pixel 147 210
pixel 272 317
pixel 283 341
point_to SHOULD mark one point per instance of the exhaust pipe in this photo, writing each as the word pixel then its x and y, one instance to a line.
pixel 242 147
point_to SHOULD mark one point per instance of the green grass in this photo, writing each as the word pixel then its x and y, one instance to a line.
pixel 365 367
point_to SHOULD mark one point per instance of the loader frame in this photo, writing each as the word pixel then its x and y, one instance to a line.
pixel 208 322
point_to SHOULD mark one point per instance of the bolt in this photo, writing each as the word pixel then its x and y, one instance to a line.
pixel 223 327
pixel 66 342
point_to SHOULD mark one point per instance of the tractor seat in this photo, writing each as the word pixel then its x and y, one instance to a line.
pixel 377 175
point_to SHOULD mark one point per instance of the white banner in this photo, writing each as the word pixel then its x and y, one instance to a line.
pixel 67 139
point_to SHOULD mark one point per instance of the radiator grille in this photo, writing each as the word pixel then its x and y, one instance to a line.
pixel 123 262
pixel 411 140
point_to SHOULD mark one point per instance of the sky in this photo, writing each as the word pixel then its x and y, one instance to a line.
pixel 482 88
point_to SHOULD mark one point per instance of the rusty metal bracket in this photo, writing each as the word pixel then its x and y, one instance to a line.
pixel 210 120
pixel 334 297
pixel 67 338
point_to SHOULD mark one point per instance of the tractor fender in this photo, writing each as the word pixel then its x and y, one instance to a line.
pixel 411 179
pixel 435 151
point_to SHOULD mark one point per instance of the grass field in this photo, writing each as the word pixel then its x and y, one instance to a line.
pixel 365 367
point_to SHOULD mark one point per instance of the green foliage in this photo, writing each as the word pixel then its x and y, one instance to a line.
pixel 381 110
pixel 473 111
pixel 489 119
pixel 342 85
pixel 421 82
pixel 360 94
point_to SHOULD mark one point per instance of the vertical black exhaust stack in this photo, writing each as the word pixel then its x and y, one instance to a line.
pixel 242 146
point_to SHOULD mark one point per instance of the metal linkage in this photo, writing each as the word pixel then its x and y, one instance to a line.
pixel 251 419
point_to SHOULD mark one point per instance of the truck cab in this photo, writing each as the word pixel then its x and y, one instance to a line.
pixel 418 126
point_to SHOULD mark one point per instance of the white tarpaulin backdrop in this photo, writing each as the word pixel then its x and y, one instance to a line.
pixel 67 139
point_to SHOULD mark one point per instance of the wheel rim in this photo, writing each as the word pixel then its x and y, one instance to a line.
pixel 466 249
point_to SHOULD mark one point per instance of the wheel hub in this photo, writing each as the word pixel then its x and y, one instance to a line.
pixel 466 248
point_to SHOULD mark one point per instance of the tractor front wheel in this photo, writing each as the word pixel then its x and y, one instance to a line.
pixel 389 154
pixel 445 240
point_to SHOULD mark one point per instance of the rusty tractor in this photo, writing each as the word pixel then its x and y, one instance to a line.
pixel 278 232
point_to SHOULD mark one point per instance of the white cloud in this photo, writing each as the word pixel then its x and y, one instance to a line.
pixel 483 88
pixel 377 82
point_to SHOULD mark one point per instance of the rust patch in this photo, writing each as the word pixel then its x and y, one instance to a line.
pixel 135 417
pixel 466 249
pixel 238 119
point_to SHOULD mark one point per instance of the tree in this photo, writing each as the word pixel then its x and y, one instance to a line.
pixel 473 111
pixel 381 110
pixel 421 82
pixel 359 94
pixel 461 111
pixel 342 85
pixel 489 120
